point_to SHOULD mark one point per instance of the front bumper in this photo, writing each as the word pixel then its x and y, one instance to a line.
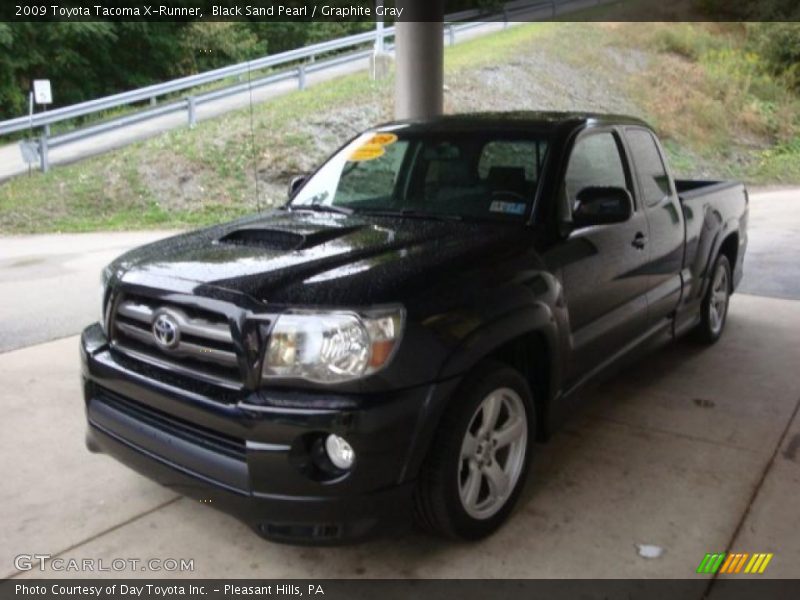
pixel 251 453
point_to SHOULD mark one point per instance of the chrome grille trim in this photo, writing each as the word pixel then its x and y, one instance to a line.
pixel 197 327
pixel 178 368
pixel 186 349
pixel 201 340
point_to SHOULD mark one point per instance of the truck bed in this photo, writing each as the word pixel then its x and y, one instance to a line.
pixel 691 188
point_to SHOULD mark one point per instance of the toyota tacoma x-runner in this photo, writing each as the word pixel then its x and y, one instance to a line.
pixel 393 340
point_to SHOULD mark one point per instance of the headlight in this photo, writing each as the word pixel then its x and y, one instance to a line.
pixel 330 347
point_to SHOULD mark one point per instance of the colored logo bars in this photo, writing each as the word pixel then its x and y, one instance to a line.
pixel 732 563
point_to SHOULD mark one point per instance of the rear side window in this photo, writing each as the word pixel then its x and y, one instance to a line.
pixel 649 166
pixel 595 162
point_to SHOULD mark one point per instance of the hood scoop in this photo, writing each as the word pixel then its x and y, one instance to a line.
pixel 277 239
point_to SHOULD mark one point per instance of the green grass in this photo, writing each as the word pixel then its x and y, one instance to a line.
pixel 708 90
pixel 109 192
pixel 717 105
pixel 780 164
pixel 496 48
pixel 117 191
pixel 717 108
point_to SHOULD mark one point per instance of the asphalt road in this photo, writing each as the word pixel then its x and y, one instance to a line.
pixel 11 162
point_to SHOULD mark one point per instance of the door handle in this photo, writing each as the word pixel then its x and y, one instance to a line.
pixel 639 241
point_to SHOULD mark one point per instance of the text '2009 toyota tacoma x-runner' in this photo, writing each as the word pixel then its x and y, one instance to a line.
pixel 396 337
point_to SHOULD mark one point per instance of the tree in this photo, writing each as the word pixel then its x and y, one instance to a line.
pixel 779 45
pixel 205 46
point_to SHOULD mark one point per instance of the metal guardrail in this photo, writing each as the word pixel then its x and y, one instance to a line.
pixel 152 92
pixel 299 62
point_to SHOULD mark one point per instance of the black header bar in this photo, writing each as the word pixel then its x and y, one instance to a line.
pixel 397 10
pixel 744 588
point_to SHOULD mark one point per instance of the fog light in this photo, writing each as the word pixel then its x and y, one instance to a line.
pixel 339 451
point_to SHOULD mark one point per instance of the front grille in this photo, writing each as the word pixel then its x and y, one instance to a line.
pixel 204 348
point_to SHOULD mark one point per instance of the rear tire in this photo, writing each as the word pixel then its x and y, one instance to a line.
pixel 714 308
pixel 477 465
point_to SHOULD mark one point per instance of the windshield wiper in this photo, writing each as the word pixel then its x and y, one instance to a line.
pixel 328 208
pixel 410 212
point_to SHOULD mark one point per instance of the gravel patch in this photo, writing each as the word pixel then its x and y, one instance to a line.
pixel 540 81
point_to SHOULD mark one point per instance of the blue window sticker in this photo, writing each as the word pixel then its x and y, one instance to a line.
pixel 508 208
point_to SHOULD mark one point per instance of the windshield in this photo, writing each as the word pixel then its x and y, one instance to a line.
pixel 475 175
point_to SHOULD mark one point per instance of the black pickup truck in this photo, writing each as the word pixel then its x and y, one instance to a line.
pixel 394 339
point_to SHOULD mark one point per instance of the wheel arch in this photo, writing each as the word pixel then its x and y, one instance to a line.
pixel 726 242
pixel 730 249
pixel 525 340
pixel 530 354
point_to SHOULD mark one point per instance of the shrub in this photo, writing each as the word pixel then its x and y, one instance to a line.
pixel 685 40
pixel 779 45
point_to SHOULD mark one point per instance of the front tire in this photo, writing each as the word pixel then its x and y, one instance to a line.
pixel 714 308
pixel 477 465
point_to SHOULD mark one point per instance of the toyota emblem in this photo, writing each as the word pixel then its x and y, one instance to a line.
pixel 166 331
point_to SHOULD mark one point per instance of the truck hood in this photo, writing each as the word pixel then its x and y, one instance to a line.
pixel 319 258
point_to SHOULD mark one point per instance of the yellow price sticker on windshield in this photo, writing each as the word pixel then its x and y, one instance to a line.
pixel 373 148
pixel 383 139
pixel 368 151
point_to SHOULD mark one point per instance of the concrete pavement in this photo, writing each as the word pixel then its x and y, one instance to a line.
pixel 691 450
pixel 50 284
pixel 772 267
pixel 669 453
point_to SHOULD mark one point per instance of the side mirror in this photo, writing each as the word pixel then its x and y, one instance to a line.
pixel 296 183
pixel 601 206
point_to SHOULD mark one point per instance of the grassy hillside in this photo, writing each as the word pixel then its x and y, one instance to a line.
pixel 717 107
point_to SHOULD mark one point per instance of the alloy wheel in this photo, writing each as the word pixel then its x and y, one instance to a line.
pixel 718 304
pixel 492 453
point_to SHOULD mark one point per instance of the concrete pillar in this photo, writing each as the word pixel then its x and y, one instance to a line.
pixel 419 69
